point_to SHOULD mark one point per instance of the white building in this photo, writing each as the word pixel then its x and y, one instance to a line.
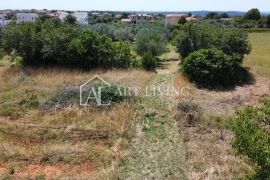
pixel 82 18
pixel 173 19
pixel 62 15
pixel 3 20
pixel 26 17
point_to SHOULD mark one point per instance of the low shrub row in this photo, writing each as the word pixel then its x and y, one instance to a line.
pixel 52 43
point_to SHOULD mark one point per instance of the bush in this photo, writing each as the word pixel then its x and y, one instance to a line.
pixel 212 68
pixel 149 62
pixel 184 43
pixel 252 137
pixel 71 19
pixel 123 56
pixel 152 40
pixel 71 96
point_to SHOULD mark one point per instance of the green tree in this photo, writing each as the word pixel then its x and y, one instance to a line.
pixel 125 15
pixel 24 39
pixel 49 43
pixel 253 14
pixel 224 15
pixel 151 40
pixel 184 43
pixel 70 19
pixel 212 15
pixel 44 17
pixel 182 20
pixel 204 36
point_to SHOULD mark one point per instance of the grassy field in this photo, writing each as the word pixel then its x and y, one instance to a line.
pixel 60 142
pixel 73 142
pixel 259 59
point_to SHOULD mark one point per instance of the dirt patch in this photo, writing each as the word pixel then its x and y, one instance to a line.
pixel 3 170
pixel 86 169
pixel 225 102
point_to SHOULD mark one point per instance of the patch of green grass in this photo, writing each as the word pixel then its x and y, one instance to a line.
pixel 259 59
pixel 155 127
pixel 171 54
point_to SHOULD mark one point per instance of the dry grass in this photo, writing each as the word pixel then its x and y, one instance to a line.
pixel 208 143
pixel 208 146
pixel 70 142
pixel 210 157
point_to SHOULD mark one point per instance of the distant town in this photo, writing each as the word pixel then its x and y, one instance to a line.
pixel 93 17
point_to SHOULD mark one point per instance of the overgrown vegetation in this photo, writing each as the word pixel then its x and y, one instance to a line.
pixel 126 33
pixel 151 40
pixel 203 36
pixel 54 43
pixel 252 137
pixel 212 67
pixel 149 62
pixel 220 67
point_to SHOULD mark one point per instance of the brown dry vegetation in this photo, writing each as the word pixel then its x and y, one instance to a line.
pixel 74 142
pixel 208 143
pixel 71 142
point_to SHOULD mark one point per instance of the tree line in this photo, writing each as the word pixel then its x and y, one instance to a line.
pixel 51 42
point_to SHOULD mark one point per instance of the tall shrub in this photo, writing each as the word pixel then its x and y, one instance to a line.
pixel 149 62
pixel 211 68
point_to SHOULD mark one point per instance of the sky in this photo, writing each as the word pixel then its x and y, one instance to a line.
pixel 139 5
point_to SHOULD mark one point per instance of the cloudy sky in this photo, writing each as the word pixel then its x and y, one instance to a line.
pixel 138 5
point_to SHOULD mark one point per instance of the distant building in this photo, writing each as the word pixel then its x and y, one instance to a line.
pixel 192 19
pixel 139 19
pixel 26 17
pixel 82 18
pixel 173 19
pixel 118 16
pixel 2 20
pixel 96 14
pixel 62 15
